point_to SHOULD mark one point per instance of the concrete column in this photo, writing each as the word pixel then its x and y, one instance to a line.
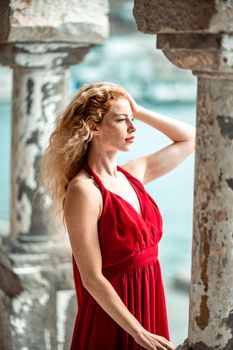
pixel 211 290
pixel 38 96
pixel 198 36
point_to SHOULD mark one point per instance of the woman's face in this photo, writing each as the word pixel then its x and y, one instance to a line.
pixel 117 126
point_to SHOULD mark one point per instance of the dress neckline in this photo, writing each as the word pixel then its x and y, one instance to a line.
pixel 122 170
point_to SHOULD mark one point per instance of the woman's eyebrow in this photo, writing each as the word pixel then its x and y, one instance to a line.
pixel 126 115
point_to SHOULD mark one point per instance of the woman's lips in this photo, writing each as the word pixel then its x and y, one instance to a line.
pixel 130 139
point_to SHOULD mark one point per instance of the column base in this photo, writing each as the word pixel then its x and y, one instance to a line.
pixel 44 311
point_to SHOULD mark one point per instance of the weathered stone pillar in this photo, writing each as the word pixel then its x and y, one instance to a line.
pixel 211 301
pixel 197 36
pixel 38 95
pixel 40 40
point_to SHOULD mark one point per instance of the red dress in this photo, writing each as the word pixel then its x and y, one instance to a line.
pixel 129 248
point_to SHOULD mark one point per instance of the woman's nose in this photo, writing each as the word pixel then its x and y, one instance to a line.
pixel 131 126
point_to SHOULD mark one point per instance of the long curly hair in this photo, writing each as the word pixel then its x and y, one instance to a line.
pixel 70 140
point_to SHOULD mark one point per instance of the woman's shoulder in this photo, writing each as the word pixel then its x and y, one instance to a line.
pixel 81 175
pixel 83 184
pixel 82 196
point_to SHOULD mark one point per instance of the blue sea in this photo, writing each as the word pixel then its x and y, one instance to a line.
pixel 5 151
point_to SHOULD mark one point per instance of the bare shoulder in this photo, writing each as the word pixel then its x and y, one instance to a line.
pixel 83 193
pixel 82 184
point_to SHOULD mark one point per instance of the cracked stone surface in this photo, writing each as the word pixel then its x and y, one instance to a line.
pixel 76 21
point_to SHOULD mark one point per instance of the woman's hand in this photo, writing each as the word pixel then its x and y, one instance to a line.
pixel 134 106
pixel 152 341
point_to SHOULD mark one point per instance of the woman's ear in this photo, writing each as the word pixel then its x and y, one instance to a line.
pixel 94 128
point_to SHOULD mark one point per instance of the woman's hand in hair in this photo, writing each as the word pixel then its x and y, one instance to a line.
pixel 134 106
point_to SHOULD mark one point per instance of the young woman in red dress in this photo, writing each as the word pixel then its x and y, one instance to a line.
pixel 114 225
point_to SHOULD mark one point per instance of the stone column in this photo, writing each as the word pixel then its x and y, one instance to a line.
pixel 211 291
pixel 38 95
pixel 198 37
pixel 40 40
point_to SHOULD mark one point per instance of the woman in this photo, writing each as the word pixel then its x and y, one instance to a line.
pixel 113 224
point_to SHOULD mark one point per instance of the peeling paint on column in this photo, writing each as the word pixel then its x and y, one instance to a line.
pixel 229 324
pixel 203 318
pixel 230 183
pixel 47 47
pixel 48 298
pixel 212 259
pixel 29 312
pixel 24 212
pixel 206 252
pixel 43 60
pixel 39 94
pixel 30 86
pixel 226 126
pixel 64 299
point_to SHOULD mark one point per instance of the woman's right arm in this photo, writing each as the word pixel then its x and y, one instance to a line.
pixel 82 210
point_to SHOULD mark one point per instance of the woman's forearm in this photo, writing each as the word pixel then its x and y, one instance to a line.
pixel 106 296
pixel 174 129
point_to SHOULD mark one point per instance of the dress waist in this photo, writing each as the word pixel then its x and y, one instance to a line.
pixel 138 259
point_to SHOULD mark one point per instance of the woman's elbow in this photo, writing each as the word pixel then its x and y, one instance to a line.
pixel 91 280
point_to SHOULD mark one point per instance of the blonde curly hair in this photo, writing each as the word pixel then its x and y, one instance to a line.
pixel 70 139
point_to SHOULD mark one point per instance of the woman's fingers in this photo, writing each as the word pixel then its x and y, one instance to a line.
pixel 160 347
pixel 133 104
pixel 151 341
pixel 167 343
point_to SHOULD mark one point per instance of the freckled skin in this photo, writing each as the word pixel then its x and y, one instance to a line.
pixel 114 129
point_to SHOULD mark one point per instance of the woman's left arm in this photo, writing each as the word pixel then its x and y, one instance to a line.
pixel 176 130
pixel 148 168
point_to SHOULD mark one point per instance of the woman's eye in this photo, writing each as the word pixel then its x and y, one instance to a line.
pixel 119 120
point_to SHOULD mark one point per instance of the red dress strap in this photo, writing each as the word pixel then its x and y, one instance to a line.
pixel 91 172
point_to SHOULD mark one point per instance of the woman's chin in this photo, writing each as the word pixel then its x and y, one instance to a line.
pixel 126 148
